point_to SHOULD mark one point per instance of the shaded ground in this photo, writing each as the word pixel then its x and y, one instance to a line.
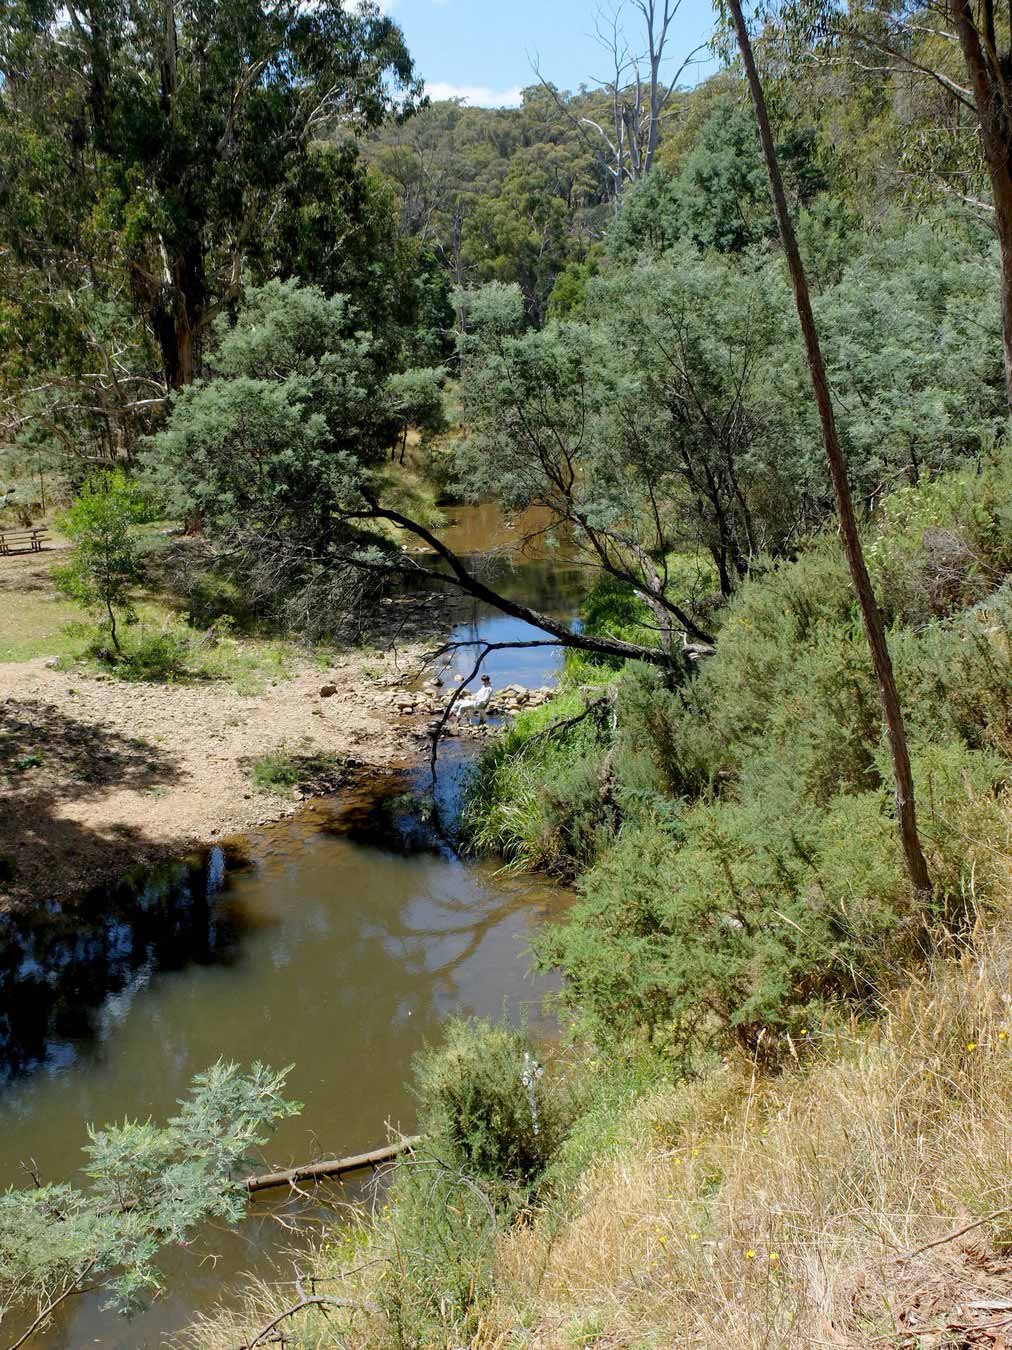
pixel 97 775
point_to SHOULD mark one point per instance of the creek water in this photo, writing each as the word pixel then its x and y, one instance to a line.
pixel 336 942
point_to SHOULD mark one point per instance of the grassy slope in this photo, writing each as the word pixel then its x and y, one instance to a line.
pixel 819 1206
pixel 742 1213
pixel 739 1212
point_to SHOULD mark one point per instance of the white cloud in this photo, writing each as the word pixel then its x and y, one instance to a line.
pixel 480 95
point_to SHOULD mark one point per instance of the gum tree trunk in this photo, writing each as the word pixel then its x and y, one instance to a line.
pixel 906 811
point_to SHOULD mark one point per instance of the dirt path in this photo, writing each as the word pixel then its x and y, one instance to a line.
pixel 101 775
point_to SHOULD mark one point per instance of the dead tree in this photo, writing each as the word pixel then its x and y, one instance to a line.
pixel 637 90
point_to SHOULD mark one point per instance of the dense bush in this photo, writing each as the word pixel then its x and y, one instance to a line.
pixel 746 876
pixel 476 1105
pixel 756 919
pixel 484 1161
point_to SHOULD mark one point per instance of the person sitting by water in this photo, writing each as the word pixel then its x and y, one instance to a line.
pixel 476 705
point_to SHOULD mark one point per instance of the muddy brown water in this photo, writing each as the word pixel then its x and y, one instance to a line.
pixel 336 942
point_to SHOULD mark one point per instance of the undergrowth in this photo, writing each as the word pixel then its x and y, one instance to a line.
pixel 780 1115
pixel 170 652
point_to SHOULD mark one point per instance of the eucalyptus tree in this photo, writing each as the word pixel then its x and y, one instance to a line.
pixel 718 198
pixel 892 712
pixel 181 131
pixel 963 49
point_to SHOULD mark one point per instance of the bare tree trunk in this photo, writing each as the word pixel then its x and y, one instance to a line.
pixel 112 627
pixel 988 79
pixel 917 867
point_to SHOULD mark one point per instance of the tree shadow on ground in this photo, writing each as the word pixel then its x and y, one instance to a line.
pixel 49 761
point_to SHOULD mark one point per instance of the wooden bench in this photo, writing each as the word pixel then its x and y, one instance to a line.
pixel 22 541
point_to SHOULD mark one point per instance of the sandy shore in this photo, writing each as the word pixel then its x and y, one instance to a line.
pixel 101 775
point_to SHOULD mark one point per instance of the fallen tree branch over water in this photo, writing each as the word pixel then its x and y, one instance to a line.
pixel 335 1167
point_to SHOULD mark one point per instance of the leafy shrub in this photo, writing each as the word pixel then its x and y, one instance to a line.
pixel 146 656
pixel 105 564
pixel 483 1161
pixel 475 1105
pixel 277 772
pixel 746 876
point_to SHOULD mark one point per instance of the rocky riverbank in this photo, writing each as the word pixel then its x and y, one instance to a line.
pixel 428 705
pixel 99 775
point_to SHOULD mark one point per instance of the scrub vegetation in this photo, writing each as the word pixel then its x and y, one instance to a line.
pixel 292 316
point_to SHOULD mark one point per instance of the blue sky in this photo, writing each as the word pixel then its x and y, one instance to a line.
pixel 482 49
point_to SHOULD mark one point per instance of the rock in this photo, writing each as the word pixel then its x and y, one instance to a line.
pixel 328 691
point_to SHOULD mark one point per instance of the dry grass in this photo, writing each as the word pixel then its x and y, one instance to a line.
pixel 742 1214
pixel 817 1208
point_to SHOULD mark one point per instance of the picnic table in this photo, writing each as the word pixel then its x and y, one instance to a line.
pixel 22 540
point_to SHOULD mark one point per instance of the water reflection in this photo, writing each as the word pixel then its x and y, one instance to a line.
pixel 337 942
pixel 70 977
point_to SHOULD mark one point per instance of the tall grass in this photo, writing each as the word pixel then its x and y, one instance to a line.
pixel 742 1211
pixel 797 1212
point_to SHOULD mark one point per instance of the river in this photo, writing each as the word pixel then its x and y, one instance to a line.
pixel 336 942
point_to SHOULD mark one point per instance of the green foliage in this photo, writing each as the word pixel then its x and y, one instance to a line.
pixel 473 1101
pixel 150 1187
pixel 912 337
pixel 745 878
pixel 535 798
pixel 568 299
pixel 944 545
pixel 105 566
pixel 147 656
pixel 280 434
pixel 415 400
pixel 278 772
pixel 719 199
pixel 761 916
pixel 510 195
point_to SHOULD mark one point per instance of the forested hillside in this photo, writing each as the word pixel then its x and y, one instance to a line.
pixel 266 313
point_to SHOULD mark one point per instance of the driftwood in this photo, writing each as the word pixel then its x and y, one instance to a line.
pixel 336 1167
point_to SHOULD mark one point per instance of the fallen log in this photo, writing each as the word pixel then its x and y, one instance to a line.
pixel 336 1167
